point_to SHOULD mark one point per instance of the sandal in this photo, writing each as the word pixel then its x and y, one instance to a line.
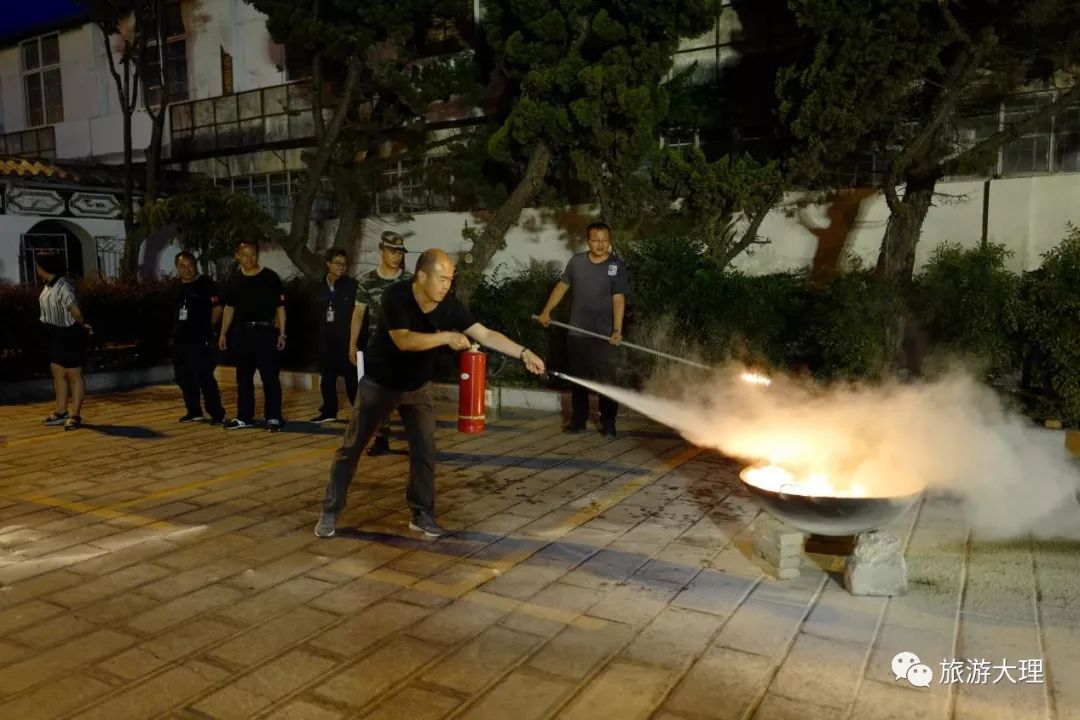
pixel 73 423
pixel 57 418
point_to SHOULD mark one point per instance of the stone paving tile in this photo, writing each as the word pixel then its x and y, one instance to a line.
pixel 56 698
pixel 261 642
pixel 368 628
pixel 184 608
pixel 28 613
pixel 723 684
pixel 152 697
pixel 674 639
pixel 622 690
pixel 59 660
pixel 586 579
pixel 576 651
pixel 481 660
pixel 54 631
pixel 801 675
pixel 393 663
pixel 303 710
pixel 521 695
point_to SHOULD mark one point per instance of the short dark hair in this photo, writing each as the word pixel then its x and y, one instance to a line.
pixel 51 262
pixel 185 254
pixel 242 243
pixel 597 226
pixel 336 252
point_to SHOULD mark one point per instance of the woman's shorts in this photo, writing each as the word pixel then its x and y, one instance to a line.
pixel 67 346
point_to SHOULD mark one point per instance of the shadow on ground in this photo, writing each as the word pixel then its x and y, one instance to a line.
pixel 131 432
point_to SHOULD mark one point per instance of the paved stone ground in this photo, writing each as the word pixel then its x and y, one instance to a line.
pixel 149 569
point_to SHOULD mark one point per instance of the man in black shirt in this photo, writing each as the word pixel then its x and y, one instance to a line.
pixel 255 304
pixel 335 299
pixel 417 319
pixel 198 309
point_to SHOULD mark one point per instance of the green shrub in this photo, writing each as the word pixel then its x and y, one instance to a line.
pixel 132 326
pixel 969 304
pixel 1050 321
pixel 681 296
pixel 506 303
pixel 753 318
pixel 852 327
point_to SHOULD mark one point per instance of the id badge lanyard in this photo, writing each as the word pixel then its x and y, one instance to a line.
pixel 330 308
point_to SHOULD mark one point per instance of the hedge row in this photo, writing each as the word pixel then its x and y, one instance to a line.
pixel 1020 330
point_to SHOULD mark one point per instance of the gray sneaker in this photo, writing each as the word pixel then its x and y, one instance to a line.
pixel 325 527
pixel 425 523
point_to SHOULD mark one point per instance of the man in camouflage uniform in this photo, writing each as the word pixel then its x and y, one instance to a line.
pixel 366 313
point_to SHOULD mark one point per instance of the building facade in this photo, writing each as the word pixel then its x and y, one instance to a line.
pixel 239 114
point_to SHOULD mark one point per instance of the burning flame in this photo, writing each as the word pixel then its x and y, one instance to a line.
pixel 775 478
pixel 755 379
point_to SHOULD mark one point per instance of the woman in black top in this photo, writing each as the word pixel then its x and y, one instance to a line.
pixel 68 333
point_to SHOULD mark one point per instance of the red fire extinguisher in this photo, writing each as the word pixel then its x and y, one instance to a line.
pixel 473 368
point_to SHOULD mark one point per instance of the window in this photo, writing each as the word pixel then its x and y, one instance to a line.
pixel 1029 153
pixel 680 140
pixel 1067 140
pixel 741 28
pixel 41 81
pixel 174 56
pixel 280 203
pixel 414 185
pixel 275 192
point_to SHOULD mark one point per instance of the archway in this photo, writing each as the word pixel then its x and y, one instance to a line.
pixel 54 236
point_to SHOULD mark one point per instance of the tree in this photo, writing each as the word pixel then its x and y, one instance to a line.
pixel 134 31
pixel 897 77
pixel 584 83
pixel 370 82
pixel 209 219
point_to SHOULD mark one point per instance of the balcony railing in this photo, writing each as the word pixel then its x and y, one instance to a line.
pixel 39 143
pixel 278 116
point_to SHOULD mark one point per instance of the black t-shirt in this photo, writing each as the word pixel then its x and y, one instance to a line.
pixel 405 371
pixel 195 302
pixel 254 298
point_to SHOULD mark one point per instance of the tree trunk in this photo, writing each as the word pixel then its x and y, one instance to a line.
pixel 129 263
pixel 295 243
pixel 896 258
pixel 493 237
pixel 350 210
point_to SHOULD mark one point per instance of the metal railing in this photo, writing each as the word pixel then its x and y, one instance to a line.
pixel 277 116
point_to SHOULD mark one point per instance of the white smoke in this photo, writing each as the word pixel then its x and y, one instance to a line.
pixel 951 434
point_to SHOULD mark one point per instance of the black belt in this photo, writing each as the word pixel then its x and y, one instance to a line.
pixel 258 324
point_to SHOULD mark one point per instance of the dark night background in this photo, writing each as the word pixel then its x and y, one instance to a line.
pixel 23 18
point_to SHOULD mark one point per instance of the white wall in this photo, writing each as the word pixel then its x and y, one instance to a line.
pixel 240 30
pixel 1027 215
